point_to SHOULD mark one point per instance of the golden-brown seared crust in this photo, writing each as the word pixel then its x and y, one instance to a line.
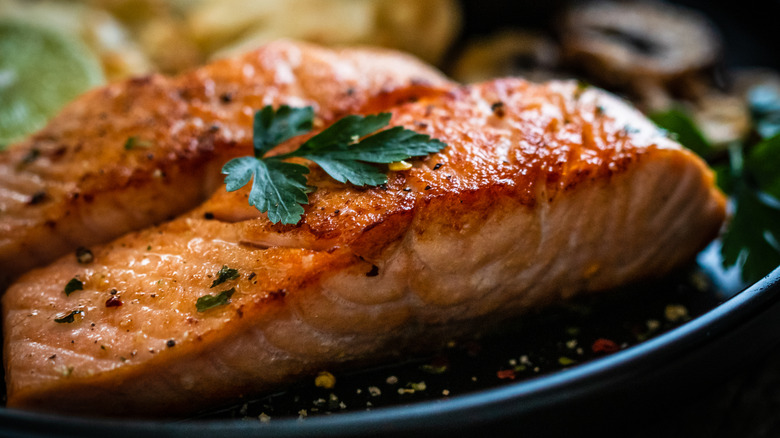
pixel 506 138
pixel 543 191
pixel 152 147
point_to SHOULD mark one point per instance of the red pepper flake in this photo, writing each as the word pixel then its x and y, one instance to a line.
pixel 114 301
pixel 602 345
pixel 506 374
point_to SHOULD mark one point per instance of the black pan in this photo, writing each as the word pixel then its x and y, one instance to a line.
pixel 564 387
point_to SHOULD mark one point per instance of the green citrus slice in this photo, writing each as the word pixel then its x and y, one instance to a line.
pixel 40 71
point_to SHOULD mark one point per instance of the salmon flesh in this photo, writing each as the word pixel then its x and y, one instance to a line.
pixel 543 191
pixel 136 153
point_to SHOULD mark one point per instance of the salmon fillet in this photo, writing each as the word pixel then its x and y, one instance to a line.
pixel 543 191
pixel 135 153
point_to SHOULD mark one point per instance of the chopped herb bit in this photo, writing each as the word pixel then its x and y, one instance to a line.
pixel 73 285
pixel 70 317
pixel 434 368
pixel 565 361
pixel 84 256
pixel 133 142
pixel 345 151
pixel 207 302
pixel 31 156
pixel 417 386
pixel 582 86
pixel 224 275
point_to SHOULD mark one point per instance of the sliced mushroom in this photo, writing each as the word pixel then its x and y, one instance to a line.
pixel 722 118
pixel 507 53
pixel 644 46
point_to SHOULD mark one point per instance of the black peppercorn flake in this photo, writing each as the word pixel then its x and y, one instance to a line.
pixel 37 198
pixel 84 256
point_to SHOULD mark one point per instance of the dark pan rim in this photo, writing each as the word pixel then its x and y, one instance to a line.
pixel 742 325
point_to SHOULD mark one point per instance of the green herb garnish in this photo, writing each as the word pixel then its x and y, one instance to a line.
pixel 207 302
pixel 224 275
pixel 73 285
pixel 751 176
pixel 69 318
pixel 752 236
pixel 133 142
pixel 684 130
pixel 344 151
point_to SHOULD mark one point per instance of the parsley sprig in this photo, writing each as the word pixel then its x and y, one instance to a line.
pixel 346 151
pixel 750 174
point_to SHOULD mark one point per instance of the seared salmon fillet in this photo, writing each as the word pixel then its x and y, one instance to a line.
pixel 135 153
pixel 543 191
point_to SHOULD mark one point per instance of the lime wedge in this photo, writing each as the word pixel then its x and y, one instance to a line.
pixel 40 71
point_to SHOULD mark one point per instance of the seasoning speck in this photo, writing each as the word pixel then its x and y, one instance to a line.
pixel 602 345
pixel 114 301
pixel 506 374
pixel 171 343
pixel 37 198
pixel 84 256
pixel 71 317
pixel 73 285
pixel 498 109
pixel 325 380
pixel 676 313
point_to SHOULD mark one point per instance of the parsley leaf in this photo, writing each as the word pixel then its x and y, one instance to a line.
pixel 224 275
pixel 207 302
pixel 684 130
pixel 751 239
pixel 73 285
pixel 274 127
pixel 346 151
pixel 763 163
pixel 751 178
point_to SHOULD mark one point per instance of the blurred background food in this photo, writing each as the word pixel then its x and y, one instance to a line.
pixel 659 55
pixel 135 37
